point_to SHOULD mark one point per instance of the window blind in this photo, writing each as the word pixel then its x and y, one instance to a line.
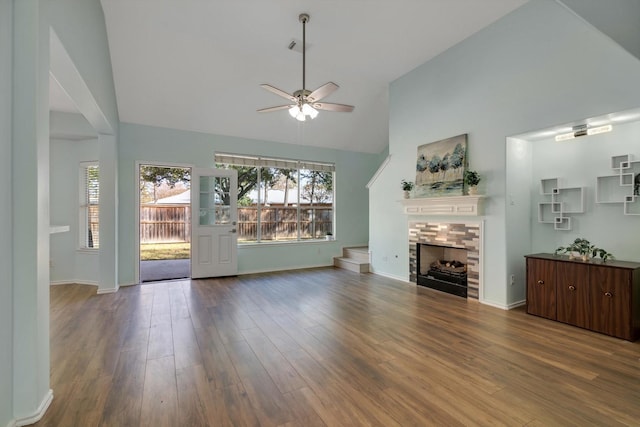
pixel 240 160
pixel 92 205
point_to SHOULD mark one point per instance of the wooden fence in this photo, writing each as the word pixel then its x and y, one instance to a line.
pixel 165 223
pixel 279 223
pixel 172 223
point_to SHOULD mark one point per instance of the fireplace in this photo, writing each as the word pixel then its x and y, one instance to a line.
pixel 442 268
pixel 463 236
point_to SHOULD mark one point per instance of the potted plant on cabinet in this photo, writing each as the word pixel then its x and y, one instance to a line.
pixel 585 249
pixel 407 186
pixel 471 180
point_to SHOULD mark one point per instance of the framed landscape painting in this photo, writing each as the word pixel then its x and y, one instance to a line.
pixel 440 167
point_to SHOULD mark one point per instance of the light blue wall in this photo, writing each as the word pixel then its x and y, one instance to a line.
pixel 538 66
pixel 577 163
pixel 158 145
pixel 616 18
pixel 82 30
pixel 68 265
pixel 81 26
pixel 6 292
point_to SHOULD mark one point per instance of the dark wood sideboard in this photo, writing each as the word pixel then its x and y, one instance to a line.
pixel 595 295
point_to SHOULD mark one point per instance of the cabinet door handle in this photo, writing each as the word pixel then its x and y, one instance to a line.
pixel 608 294
pixel 572 288
pixel 540 282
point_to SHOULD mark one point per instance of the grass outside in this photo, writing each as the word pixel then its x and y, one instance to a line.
pixel 157 251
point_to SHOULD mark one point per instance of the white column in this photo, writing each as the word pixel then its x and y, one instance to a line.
pixel 6 246
pixel 108 214
pixel 30 188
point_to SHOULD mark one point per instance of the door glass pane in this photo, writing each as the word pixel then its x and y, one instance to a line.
pixel 214 200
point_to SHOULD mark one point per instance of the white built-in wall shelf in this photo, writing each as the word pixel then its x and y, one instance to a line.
pixel 562 201
pixel 620 187
pixel 452 205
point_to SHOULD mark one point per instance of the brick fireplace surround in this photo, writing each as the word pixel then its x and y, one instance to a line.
pixel 455 235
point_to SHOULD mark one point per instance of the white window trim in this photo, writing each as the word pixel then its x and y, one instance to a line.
pixel 83 218
pixel 260 162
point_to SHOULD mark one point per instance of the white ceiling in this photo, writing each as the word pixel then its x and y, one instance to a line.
pixel 197 64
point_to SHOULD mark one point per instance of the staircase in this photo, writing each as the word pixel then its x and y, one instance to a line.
pixel 354 259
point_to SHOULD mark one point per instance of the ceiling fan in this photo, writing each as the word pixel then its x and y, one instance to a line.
pixel 305 102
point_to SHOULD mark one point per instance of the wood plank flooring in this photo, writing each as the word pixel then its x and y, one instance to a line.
pixel 325 347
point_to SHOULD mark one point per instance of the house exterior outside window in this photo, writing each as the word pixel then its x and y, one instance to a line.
pixel 282 200
pixel 89 223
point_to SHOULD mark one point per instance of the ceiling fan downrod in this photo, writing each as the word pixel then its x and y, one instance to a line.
pixel 304 18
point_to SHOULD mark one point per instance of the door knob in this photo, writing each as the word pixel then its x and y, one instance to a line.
pixel 572 288
pixel 233 230
pixel 540 282
pixel 608 294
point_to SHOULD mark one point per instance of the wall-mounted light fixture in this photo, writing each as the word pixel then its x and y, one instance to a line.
pixel 582 130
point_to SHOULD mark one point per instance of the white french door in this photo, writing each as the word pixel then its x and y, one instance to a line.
pixel 214 237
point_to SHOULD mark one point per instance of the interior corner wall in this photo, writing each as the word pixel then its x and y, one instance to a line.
pixel 148 144
pixel 68 265
pixel 518 215
pixel 616 18
pixel 528 70
pixel 82 30
pixel 604 225
pixel 6 248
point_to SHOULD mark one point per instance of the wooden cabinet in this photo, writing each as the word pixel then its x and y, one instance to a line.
pixel 541 288
pixel 604 297
pixel 572 288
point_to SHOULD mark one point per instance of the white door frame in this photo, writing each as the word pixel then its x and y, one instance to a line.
pixel 139 163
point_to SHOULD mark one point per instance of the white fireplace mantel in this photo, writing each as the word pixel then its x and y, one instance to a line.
pixel 451 205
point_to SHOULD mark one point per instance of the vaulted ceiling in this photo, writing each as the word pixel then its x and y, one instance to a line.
pixel 197 64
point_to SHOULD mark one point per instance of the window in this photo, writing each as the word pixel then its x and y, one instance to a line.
pixel 89 233
pixel 282 200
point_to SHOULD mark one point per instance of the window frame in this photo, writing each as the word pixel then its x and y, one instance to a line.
pixel 261 162
pixel 84 207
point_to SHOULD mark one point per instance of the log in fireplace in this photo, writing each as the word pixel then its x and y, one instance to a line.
pixel 442 268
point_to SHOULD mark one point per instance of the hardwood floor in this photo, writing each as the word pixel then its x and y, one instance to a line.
pixel 325 347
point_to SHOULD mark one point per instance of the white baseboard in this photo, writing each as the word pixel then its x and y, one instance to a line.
pixel 298 267
pixel 37 416
pixel 108 290
pixel 72 282
pixel 516 304
pixel 124 285
pixel 391 276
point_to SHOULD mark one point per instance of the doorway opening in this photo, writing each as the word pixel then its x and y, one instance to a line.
pixel 165 222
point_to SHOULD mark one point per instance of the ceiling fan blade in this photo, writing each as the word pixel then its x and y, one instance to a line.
pixel 278 108
pixel 278 92
pixel 324 90
pixel 341 108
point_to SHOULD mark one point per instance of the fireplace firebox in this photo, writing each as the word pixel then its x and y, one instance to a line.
pixel 442 268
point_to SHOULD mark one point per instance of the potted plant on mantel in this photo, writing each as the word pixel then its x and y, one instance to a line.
pixel 471 180
pixel 585 249
pixel 407 186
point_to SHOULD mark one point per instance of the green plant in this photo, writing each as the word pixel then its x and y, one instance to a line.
pixel 407 185
pixel 471 178
pixel 585 248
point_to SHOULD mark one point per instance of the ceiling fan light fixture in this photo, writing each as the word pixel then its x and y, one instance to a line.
pixel 308 110
pixel 305 102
